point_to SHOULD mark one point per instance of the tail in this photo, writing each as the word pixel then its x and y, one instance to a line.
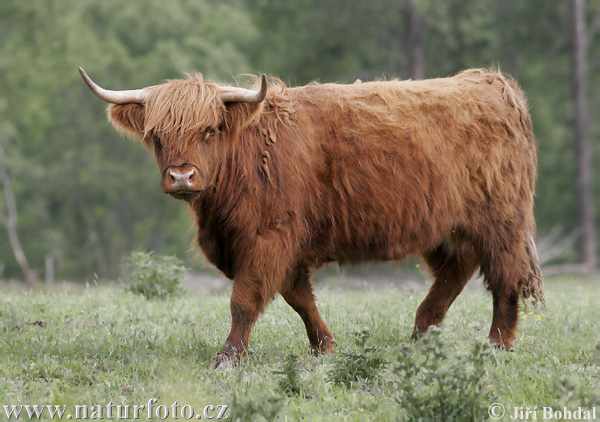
pixel 533 285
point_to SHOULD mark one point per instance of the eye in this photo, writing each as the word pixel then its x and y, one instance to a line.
pixel 210 133
pixel 157 143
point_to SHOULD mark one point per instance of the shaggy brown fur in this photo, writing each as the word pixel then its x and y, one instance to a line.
pixel 443 168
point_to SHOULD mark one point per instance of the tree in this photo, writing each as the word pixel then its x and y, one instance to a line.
pixel 11 217
pixel 414 40
pixel 581 39
pixel 97 195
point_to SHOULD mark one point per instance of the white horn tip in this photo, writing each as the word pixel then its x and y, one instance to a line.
pixel 88 81
pixel 263 86
pixel 114 97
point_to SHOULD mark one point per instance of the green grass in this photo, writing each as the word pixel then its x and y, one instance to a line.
pixel 103 344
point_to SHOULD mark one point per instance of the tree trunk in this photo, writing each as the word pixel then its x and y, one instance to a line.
pixel 10 221
pixel 583 150
pixel 414 40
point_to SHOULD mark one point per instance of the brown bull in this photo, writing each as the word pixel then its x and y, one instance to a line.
pixel 283 180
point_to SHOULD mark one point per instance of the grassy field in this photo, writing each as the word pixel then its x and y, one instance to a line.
pixel 103 345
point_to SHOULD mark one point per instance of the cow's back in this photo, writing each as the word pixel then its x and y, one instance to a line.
pixel 406 162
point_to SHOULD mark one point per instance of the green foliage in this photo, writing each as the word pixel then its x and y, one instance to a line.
pixel 361 365
pixel 97 195
pixel 87 197
pixel 253 408
pixel 154 276
pixel 95 344
pixel 290 383
pixel 437 384
pixel 570 394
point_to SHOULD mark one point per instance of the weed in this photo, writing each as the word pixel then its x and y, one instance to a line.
pixel 153 276
pixel 570 394
pixel 363 364
pixel 248 407
pixel 438 384
pixel 289 384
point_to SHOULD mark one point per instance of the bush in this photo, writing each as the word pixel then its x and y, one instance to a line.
pixel 437 384
pixel 153 276
pixel 250 407
pixel 363 364
pixel 570 393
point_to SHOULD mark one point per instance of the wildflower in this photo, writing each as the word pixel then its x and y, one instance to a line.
pixel 418 266
pixel 521 338
pixel 530 313
pixel 522 312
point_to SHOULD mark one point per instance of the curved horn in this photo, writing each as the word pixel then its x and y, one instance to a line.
pixel 136 96
pixel 242 95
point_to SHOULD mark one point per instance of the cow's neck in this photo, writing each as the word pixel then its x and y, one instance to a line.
pixel 227 216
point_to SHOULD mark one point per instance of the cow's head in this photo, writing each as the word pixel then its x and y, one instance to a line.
pixel 183 121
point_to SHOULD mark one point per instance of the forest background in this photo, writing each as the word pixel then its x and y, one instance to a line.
pixel 75 197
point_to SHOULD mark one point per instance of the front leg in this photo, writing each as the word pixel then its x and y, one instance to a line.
pixel 254 286
pixel 244 313
pixel 248 300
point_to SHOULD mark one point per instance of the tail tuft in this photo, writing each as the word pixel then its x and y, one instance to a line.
pixel 533 286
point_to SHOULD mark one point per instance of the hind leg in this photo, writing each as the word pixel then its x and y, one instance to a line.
pixel 452 267
pixel 298 293
pixel 504 321
pixel 504 272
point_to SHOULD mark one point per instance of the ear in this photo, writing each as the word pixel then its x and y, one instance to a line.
pixel 128 119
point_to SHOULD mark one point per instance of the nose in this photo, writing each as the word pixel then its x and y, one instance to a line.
pixel 183 178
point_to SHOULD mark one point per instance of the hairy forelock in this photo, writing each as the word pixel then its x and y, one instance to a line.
pixel 183 105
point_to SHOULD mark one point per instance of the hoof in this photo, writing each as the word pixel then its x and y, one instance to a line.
pixel 423 327
pixel 418 333
pixel 325 346
pixel 226 359
pixel 498 345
